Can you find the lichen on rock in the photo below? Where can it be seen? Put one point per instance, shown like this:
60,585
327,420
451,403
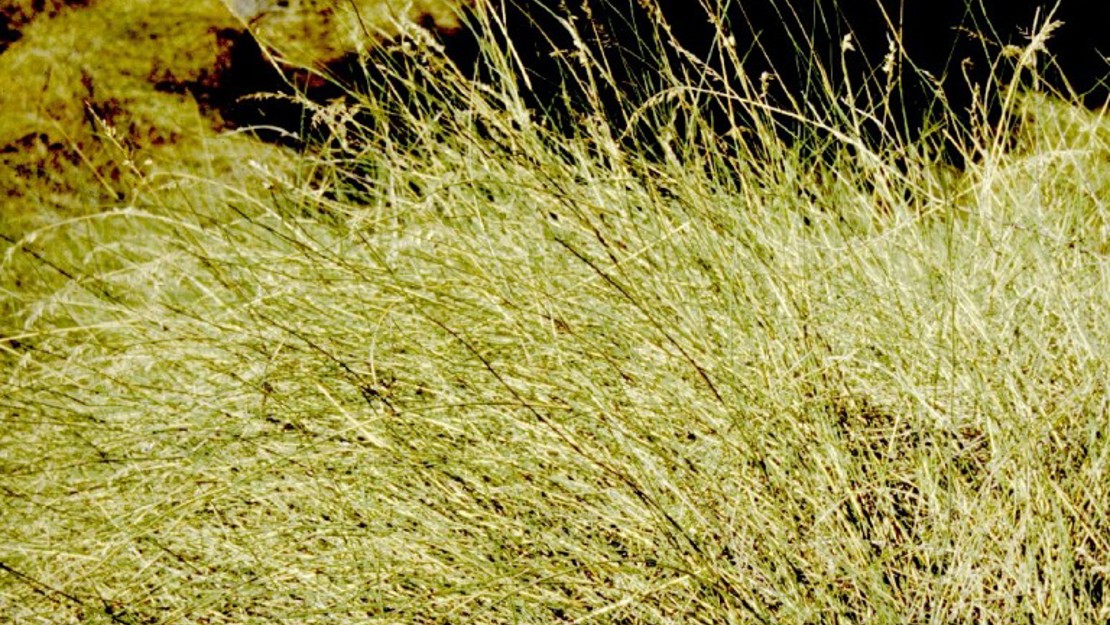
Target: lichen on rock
314,33
16,14
92,90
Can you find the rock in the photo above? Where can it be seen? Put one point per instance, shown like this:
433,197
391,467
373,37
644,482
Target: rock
317,33
97,95
93,91
16,14
298,57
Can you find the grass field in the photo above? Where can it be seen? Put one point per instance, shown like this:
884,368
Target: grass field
510,377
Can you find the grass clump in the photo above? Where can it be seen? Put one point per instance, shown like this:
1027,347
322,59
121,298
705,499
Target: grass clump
503,377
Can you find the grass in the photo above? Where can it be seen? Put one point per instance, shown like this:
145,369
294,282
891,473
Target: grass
505,377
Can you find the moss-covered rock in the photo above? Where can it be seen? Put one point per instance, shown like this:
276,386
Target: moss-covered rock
98,94
97,97
314,33
16,14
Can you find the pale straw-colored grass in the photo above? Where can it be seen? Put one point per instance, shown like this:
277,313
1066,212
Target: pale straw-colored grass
511,377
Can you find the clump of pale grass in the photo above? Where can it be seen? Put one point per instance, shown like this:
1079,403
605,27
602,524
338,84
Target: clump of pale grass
502,376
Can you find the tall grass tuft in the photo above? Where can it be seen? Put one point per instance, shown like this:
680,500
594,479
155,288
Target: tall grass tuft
501,375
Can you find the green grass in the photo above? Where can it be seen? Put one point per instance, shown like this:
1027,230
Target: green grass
504,377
